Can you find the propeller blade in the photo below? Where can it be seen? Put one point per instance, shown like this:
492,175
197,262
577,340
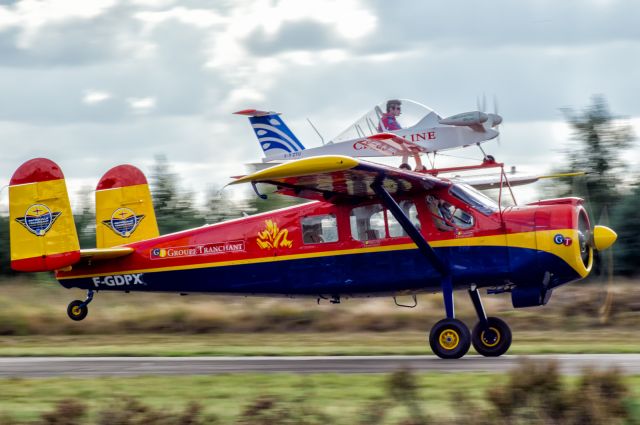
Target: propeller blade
607,272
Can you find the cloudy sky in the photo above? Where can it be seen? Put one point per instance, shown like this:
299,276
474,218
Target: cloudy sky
92,84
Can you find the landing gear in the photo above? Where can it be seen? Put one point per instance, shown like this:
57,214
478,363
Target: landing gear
78,310
493,341
491,336
450,339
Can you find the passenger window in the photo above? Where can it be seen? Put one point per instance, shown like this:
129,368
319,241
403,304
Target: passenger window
319,229
446,217
367,222
410,210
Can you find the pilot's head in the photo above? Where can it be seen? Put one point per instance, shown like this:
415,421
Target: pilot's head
393,107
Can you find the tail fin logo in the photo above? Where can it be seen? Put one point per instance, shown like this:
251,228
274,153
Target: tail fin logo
274,135
38,219
123,222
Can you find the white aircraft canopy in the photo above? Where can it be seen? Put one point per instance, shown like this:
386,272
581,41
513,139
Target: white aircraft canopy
369,124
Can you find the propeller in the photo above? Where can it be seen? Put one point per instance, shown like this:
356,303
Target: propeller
495,117
600,238
495,111
607,272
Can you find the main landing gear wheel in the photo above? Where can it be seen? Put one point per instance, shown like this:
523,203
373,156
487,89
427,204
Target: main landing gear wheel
450,339
494,341
77,310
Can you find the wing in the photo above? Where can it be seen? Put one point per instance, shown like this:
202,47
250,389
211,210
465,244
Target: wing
390,144
493,181
340,178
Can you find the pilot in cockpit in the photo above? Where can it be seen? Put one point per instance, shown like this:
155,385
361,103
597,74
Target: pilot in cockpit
388,120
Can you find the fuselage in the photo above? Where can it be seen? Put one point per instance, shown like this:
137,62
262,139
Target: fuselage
361,251
430,138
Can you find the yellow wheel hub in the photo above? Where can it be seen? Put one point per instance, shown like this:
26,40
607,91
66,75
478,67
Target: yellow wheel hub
449,339
76,310
486,343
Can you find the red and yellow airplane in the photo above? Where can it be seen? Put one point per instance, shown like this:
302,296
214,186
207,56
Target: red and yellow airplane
371,230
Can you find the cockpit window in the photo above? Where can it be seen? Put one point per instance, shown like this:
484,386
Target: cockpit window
411,113
447,217
474,198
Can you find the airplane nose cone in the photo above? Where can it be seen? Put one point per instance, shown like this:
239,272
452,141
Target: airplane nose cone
603,237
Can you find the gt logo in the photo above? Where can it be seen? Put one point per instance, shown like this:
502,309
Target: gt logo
562,240
119,280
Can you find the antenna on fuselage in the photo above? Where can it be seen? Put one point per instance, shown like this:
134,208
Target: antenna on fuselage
316,130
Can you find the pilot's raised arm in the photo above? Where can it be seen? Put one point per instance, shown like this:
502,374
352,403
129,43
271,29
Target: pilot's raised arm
388,121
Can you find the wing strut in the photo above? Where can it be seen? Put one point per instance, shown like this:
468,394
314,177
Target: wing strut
423,245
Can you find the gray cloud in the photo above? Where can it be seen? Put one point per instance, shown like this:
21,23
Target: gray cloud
535,57
300,35
492,24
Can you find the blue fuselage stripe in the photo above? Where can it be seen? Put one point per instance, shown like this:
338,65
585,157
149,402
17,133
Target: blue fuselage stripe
355,274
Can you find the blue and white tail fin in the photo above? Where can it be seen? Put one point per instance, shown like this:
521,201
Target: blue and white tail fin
274,136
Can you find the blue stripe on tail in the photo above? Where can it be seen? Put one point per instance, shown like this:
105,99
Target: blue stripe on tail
274,136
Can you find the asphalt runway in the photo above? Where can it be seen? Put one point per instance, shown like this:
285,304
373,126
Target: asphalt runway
136,366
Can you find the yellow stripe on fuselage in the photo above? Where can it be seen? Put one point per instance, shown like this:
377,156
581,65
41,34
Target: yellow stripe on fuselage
541,240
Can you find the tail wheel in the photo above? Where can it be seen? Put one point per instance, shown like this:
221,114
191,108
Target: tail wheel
450,339
77,310
493,341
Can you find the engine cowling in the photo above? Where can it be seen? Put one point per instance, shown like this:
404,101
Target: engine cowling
466,119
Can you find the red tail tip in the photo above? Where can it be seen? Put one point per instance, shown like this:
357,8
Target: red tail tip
121,176
36,170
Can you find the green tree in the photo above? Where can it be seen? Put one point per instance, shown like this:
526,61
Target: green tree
626,222
599,140
174,206
85,218
220,207
5,253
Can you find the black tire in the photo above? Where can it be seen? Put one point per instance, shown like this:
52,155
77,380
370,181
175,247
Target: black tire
493,343
450,339
77,311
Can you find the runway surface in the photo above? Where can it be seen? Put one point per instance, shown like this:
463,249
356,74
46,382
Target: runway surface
134,366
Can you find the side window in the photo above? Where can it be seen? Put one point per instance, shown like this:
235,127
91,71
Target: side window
367,222
410,210
462,219
319,229
446,217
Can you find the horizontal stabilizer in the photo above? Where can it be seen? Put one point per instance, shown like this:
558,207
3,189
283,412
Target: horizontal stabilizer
255,113
97,254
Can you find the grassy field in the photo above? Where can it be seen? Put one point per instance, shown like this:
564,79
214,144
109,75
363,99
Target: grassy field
299,344
33,321
225,396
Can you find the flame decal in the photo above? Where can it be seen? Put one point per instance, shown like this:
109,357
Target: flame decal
273,237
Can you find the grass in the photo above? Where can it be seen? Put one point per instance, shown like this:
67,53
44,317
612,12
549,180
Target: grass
344,396
33,322
297,344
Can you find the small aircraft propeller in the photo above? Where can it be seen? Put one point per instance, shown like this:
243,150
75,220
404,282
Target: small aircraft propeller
600,237
606,270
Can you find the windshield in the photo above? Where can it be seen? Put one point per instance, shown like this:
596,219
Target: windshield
373,122
474,198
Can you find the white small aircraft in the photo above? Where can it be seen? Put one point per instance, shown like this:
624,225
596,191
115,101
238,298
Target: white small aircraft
407,128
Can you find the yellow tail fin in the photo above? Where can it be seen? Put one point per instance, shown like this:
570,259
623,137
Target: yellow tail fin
42,231
124,209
